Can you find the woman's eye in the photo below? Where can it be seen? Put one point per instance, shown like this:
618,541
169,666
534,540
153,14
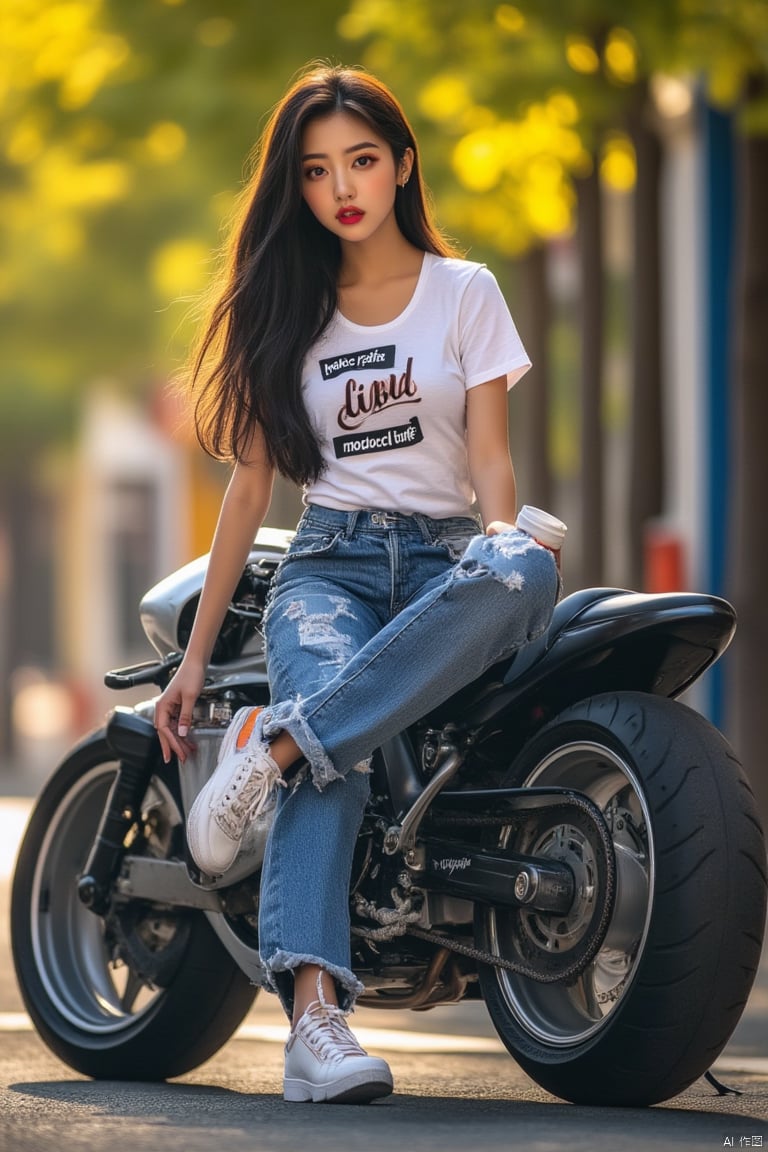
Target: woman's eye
313,173
365,161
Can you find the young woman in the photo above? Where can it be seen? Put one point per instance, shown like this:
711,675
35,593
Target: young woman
353,352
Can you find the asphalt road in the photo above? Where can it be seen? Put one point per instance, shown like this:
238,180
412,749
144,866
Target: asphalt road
456,1088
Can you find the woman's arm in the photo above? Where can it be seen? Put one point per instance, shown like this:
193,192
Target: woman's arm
490,464
243,509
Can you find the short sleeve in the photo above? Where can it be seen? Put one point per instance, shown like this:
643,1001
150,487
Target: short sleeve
489,344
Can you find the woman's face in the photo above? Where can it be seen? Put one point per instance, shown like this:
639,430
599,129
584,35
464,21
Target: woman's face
349,176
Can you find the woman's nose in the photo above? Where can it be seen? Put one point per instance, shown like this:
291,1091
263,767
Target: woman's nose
343,186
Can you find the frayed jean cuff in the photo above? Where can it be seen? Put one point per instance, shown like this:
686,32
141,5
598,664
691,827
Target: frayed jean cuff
280,967
288,717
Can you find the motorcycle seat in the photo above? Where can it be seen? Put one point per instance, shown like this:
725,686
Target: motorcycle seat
565,612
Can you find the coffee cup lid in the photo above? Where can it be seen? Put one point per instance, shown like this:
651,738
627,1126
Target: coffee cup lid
544,527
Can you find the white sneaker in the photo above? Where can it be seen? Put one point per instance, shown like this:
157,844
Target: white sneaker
241,788
325,1063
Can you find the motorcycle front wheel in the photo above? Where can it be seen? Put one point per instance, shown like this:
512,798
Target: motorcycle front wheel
147,991
658,1002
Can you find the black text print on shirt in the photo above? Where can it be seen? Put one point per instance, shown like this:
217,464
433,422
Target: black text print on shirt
382,440
365,358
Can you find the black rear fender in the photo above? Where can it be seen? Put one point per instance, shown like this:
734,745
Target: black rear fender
659,643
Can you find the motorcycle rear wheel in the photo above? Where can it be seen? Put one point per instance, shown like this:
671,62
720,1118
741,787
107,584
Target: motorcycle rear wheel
660,1000
99,1014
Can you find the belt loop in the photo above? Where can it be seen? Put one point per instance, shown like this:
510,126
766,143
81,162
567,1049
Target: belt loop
425,527
351,524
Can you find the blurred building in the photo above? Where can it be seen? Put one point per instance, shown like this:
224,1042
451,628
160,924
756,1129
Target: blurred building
136,500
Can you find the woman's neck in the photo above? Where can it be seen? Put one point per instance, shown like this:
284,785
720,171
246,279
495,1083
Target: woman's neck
383,257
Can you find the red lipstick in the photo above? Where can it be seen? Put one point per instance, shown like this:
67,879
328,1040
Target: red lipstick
350,214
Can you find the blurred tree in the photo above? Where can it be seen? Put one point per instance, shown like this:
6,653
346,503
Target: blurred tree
123,134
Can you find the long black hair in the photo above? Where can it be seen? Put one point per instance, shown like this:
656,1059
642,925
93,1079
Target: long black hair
279,288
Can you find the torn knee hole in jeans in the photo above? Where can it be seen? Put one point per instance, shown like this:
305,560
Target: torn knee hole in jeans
318,629
487,556
470,569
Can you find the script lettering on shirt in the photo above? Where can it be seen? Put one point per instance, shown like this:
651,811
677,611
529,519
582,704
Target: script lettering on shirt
363,399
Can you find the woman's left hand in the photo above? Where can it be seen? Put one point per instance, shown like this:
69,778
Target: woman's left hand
497,526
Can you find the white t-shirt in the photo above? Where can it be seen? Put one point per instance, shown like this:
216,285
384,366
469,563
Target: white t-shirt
389,400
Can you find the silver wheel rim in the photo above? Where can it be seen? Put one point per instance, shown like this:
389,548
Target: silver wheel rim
559,1015
81,980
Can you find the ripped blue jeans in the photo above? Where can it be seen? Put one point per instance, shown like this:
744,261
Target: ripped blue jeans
374,619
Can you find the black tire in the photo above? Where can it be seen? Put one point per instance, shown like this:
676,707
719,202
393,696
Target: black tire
100,1019
656,1006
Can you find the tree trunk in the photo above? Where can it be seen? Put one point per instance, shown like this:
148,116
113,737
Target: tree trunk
592,340
646,447
535,479
16,518
748,542
6,615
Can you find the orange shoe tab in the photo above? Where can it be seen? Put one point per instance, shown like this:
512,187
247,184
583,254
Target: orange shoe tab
246,730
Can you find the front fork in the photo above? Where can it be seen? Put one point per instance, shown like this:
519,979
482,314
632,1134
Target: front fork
134,741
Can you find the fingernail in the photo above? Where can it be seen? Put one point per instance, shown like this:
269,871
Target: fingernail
183,729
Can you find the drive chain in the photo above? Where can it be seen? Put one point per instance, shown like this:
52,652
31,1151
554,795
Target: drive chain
588,953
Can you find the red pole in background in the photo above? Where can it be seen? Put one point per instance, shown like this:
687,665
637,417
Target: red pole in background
664,568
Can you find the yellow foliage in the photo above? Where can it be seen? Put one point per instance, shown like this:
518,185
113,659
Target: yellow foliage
180,267
26,141
563,107
215,31
65,183
547,197
528,164
477,160
496,223
725,80
445,98
581,55
59,43
90,69
165,142
549,214
618,164
510,19
621,56
386,18
63,238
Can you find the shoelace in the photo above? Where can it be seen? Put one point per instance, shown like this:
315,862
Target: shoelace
325,1029
243,802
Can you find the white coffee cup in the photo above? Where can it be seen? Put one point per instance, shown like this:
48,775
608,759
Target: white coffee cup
544,528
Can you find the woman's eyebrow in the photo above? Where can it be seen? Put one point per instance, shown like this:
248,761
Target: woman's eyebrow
354,148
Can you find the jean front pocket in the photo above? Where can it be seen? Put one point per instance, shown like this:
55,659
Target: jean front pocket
455,543
311,541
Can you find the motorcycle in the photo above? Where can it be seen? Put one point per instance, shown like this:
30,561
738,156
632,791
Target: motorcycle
562,839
